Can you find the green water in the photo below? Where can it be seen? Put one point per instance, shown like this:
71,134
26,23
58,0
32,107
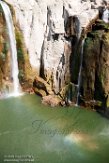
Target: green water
29,130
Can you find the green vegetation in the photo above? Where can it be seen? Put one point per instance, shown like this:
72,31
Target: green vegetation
20,55
103,25
25,72
1,10
5,48
21,75
19,39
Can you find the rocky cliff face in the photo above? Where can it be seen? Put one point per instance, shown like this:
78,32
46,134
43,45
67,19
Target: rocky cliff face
95,74
4,55
49,28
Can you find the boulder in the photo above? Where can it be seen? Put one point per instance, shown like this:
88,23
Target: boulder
51,100
41,87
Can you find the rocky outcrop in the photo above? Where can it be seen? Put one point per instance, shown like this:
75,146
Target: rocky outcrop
52,100
41,87
95,74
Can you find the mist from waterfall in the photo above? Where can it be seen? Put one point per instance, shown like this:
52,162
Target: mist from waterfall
12,42
80,72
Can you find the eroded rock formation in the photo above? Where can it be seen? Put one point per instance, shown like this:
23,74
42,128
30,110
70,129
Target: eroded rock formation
95,74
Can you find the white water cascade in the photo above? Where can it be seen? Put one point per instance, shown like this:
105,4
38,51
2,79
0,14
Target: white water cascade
12,41
80,72
105,16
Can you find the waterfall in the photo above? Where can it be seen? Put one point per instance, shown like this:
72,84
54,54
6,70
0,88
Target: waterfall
12,41
80,72
105,16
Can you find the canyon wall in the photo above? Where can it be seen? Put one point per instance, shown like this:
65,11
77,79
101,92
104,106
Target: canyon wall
49,28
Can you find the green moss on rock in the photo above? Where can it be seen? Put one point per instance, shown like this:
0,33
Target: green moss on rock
95,74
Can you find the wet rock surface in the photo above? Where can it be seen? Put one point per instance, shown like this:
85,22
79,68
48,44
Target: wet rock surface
95,76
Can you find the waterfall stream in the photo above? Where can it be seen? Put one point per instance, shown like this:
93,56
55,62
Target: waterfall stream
105,16
12,41
80,71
